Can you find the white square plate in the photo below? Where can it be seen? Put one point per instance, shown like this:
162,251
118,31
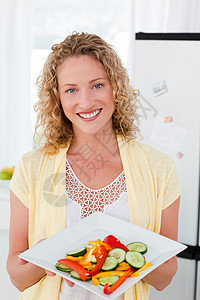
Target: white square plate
98,226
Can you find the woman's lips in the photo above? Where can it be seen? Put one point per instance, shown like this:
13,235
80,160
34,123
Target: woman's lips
89,116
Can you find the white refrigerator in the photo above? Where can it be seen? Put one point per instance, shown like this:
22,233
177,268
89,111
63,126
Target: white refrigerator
167,73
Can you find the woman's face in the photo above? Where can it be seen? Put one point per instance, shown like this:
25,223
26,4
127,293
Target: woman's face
86,94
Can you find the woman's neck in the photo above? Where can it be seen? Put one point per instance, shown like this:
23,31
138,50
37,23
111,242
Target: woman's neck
104,142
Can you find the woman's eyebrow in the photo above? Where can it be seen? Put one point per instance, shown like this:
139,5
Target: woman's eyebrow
70,84
91,81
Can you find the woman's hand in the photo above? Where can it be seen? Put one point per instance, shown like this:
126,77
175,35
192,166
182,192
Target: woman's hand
22,261
161,277
49,273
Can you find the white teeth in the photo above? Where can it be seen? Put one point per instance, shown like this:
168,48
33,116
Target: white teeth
87,116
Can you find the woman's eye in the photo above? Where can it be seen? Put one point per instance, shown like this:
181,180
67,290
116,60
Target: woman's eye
70,91
98,86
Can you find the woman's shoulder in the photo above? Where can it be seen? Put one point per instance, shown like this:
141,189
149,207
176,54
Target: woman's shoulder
34,155
141,150
39,156
155,157
152,152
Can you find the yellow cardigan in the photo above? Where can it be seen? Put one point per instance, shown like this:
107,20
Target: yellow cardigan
39,182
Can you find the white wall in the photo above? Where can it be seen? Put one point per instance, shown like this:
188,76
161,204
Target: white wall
7,290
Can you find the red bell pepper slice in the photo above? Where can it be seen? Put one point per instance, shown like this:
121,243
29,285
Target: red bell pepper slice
112,241
82,272
101,256
109,290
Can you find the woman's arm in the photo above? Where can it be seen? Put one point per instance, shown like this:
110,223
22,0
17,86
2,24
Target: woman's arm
22,274
162,276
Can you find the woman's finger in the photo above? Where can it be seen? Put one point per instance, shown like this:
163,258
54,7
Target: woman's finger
50,273
40,241
70,283
22,261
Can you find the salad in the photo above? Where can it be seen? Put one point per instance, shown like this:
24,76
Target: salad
107,263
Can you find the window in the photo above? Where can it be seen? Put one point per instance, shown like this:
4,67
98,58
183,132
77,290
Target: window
53,20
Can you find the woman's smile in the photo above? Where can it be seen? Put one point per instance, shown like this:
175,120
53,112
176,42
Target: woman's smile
89,116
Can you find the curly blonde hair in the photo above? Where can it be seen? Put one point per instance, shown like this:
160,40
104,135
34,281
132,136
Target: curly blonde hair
53,130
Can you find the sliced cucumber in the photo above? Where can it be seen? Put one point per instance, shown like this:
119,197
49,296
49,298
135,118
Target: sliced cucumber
93,261
77,252
118,253
110,280
63,267
137,246
135,259
110,264
75,275
88,246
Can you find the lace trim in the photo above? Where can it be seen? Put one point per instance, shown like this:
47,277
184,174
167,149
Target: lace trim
93,200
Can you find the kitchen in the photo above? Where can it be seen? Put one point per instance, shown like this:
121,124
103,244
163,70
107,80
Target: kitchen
145,18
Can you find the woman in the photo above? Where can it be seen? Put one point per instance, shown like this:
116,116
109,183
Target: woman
89,161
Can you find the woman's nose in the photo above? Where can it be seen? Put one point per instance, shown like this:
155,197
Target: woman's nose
86,100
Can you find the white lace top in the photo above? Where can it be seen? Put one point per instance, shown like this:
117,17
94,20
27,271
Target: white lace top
83,201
